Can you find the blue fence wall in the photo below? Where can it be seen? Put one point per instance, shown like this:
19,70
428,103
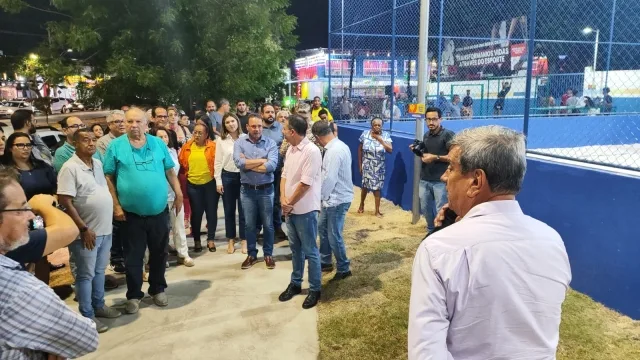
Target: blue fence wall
593,211
554,132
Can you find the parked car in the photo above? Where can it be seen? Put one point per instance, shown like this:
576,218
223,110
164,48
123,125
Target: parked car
10,107
58,105
52,138
73,105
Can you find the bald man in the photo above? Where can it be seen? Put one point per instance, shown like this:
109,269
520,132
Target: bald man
137,167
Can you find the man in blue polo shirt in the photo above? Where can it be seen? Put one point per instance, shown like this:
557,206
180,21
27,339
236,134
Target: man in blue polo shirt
137,167
256,156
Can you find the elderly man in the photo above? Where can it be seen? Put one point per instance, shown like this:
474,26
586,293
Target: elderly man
34,322
256,156
337,194
491,285
83,191
115,121
137,167
69,126
300,199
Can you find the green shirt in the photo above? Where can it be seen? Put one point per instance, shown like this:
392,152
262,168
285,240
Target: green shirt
140,177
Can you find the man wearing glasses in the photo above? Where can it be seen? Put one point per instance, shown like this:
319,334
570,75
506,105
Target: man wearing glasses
161,119
69,126
434,147
115,122
137,167
34,322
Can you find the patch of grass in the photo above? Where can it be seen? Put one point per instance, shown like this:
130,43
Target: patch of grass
366,316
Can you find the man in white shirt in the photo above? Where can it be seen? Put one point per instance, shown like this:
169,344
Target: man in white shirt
337,194
490,286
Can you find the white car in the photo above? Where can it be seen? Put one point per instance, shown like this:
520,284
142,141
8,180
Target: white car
11,106
59,105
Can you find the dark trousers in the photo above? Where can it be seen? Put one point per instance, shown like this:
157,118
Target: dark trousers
117,248
203,198
231,198
277,208
140,233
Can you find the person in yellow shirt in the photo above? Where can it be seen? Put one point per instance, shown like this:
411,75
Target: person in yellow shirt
197,158
316,108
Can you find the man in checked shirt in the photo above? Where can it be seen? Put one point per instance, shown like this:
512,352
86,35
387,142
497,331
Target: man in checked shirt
34,322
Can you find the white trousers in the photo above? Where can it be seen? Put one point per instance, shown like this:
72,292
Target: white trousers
178,233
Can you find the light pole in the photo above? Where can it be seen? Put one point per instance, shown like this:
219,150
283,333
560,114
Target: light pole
588,31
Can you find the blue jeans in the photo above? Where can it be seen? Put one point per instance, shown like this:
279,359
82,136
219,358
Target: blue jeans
302,232
231,197
90,267
433,196
258,204
277,208
330,229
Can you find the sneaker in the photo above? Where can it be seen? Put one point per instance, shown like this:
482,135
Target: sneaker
186,261
107,313
160,299
132,306
100,326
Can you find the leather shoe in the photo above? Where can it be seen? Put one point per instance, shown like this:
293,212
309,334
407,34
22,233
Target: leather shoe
341,276
326,267
271,264
249,262
311,300
110,282
292,290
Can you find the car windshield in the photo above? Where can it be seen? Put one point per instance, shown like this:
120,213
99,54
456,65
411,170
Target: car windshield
13,103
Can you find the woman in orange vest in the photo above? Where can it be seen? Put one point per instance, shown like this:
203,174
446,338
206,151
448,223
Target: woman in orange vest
196,159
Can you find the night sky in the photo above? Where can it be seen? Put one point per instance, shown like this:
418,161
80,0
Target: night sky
21,33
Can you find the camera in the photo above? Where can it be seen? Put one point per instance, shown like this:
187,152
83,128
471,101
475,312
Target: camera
417,147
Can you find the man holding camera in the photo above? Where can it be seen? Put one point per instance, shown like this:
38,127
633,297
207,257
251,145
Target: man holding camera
433,151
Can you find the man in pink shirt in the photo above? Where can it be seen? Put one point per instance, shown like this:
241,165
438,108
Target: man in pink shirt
300,188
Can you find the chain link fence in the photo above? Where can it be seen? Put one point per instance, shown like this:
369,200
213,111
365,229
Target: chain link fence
580,102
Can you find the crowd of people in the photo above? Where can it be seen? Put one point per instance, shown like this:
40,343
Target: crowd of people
117,197
124,196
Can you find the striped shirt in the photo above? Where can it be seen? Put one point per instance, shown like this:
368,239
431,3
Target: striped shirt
337,187
34,321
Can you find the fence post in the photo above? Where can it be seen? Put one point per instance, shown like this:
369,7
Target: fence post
530,47
613,19
440,47
393,64
328,69
423,78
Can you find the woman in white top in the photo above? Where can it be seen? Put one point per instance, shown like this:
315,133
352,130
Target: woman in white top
177,220
227,177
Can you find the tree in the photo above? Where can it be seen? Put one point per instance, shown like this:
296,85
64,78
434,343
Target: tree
172,50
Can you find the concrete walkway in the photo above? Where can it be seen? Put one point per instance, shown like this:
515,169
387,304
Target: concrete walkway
216,311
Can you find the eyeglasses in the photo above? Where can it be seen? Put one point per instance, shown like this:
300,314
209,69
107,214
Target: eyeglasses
431,119
23,146
77,126
162,116
26,209
143,165
117,122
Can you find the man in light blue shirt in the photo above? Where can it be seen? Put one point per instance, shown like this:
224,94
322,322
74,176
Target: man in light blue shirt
137,167
256,156
336,195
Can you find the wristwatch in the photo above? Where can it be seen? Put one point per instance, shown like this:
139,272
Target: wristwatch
84,229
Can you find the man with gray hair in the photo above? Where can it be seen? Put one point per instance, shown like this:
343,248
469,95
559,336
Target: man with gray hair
492,284
336,195
223,108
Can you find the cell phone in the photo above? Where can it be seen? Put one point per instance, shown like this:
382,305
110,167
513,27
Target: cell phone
36,223
450,217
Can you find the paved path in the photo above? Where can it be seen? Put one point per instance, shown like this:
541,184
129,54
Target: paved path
216,311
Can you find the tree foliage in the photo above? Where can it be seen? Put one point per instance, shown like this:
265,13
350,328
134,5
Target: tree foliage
170,50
